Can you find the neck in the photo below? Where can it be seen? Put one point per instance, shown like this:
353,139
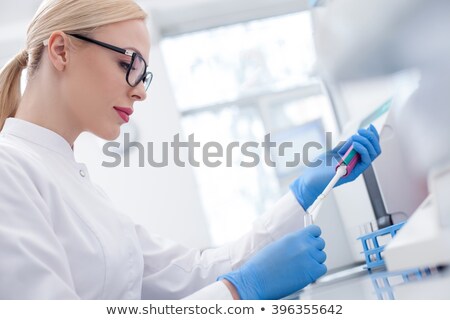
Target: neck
45,108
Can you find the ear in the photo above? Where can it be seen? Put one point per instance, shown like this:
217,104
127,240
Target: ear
58,50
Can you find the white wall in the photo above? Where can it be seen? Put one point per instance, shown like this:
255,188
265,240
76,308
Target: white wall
363,96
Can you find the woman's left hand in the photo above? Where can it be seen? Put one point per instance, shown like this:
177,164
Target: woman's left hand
314,180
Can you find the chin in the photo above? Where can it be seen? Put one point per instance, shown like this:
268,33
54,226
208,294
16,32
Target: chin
109,135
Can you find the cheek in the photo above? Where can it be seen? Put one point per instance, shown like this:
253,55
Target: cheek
100,71
95,86
100,83
85,80
110,80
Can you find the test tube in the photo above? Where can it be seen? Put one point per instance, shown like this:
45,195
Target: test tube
308,219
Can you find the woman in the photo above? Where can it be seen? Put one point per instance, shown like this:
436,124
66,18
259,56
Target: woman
60,237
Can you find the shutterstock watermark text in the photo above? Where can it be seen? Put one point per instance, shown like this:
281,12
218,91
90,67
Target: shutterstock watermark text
215,154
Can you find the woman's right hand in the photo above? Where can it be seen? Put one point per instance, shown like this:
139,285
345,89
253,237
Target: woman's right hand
282,267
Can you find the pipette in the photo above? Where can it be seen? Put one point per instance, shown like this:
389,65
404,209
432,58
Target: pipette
343,169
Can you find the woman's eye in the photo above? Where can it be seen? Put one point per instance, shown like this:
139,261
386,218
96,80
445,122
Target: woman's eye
124,65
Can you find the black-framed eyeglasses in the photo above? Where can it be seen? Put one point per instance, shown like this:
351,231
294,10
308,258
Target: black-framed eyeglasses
137,70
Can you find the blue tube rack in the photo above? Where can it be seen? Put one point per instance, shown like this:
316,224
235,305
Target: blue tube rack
373,255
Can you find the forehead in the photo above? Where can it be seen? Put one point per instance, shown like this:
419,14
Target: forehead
130,34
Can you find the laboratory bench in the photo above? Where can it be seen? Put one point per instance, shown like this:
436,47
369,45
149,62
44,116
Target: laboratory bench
359,283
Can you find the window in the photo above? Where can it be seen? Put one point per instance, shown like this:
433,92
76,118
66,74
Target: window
238,83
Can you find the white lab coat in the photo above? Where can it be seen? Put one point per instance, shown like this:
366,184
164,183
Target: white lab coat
60,237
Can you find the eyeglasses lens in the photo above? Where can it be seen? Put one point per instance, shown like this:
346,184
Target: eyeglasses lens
138,72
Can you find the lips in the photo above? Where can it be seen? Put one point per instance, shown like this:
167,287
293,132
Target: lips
124,113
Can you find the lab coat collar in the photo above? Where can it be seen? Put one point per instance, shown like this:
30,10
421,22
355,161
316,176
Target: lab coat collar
38,135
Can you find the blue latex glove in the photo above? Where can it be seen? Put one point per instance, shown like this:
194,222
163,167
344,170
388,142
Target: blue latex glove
282,267
313,181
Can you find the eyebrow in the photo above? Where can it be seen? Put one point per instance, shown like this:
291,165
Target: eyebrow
137,51
134,49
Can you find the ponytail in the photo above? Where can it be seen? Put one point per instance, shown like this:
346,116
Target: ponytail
10,86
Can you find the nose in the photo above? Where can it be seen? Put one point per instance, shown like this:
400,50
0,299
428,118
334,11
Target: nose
138,92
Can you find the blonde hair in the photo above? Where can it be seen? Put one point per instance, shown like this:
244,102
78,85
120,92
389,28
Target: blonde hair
72,16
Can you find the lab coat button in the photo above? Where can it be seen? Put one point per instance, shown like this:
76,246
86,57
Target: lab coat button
82,173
